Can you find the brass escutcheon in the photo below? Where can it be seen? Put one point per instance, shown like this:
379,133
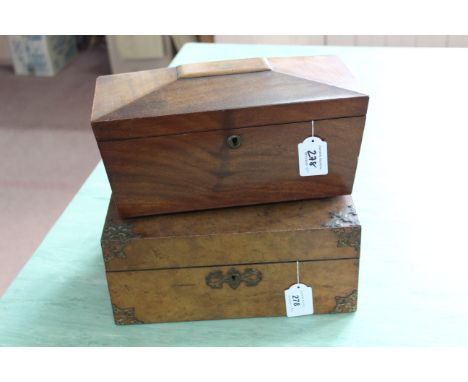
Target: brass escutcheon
233,277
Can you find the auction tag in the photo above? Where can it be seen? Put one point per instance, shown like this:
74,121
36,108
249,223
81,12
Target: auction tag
299,301
313,158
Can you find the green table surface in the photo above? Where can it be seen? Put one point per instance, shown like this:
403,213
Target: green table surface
409,194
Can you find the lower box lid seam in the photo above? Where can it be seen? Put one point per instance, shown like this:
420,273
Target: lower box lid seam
230,265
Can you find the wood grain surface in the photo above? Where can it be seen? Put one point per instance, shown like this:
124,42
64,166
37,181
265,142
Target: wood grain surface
304,230
183,294
156,102
162,134
199,171
158,268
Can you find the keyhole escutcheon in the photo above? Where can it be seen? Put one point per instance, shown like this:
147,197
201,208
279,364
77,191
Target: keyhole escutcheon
234,141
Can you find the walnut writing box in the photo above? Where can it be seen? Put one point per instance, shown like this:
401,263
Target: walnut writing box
233,262
221,134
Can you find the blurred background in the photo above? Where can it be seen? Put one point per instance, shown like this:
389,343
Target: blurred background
46,93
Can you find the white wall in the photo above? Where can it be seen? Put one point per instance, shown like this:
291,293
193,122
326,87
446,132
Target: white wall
419,41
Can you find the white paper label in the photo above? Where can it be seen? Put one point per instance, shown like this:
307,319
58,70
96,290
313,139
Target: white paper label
313,158
299,301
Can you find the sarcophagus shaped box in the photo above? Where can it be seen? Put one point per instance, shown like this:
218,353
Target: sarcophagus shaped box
212,135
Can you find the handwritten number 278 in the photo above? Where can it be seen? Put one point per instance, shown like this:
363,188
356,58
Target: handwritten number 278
295,300
312,158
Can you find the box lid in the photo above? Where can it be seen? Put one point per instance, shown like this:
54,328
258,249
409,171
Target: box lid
224,95
324,229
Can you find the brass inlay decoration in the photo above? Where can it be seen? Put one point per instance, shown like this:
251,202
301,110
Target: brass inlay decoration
345,225
116,236
346,304
343,218
349,237
125,316
233,277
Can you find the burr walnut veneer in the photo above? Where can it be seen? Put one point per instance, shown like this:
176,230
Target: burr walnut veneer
221,134
233,262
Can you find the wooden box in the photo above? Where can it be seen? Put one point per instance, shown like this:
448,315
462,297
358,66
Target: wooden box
223,134
231,263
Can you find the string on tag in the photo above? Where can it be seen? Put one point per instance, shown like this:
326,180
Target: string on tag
313,128
297,272
298,298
